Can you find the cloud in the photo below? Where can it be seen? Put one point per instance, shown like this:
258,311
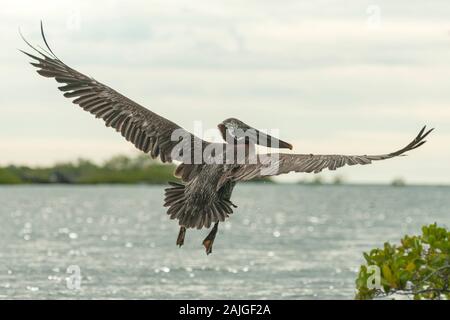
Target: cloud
317,71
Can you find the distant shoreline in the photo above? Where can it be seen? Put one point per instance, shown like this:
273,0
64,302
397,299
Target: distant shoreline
140,170
119,169
257,182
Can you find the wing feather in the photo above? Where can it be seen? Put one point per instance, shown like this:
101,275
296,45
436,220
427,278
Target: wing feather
148,131
276,164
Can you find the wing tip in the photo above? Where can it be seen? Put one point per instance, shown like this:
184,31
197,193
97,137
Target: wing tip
49,52
45,41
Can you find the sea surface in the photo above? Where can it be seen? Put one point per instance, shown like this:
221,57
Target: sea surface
283,242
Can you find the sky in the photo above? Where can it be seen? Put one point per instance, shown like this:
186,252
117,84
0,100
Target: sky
350,77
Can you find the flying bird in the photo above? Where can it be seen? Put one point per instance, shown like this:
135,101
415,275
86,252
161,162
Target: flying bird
202,198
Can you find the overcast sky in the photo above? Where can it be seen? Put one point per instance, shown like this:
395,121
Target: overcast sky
357,77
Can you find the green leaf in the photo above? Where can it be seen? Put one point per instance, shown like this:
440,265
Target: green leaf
418,263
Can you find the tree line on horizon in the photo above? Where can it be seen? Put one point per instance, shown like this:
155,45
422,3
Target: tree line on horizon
119,169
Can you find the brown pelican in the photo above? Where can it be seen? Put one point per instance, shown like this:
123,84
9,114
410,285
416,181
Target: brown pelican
202,198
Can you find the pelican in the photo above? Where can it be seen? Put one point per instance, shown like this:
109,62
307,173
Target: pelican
202,197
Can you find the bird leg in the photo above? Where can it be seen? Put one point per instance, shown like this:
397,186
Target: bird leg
180,238
209,240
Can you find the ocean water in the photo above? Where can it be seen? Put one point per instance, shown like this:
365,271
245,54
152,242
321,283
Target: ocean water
283,242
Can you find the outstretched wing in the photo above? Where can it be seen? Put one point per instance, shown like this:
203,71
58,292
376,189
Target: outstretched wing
148,131
275,164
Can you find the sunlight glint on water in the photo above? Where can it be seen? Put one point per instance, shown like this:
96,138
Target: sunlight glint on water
284,241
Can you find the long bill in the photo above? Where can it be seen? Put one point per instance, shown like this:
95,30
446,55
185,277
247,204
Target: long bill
266,140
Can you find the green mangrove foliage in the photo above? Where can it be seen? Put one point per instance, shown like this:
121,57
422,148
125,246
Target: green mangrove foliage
419,267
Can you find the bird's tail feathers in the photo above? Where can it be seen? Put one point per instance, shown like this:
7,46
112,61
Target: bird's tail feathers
191,216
